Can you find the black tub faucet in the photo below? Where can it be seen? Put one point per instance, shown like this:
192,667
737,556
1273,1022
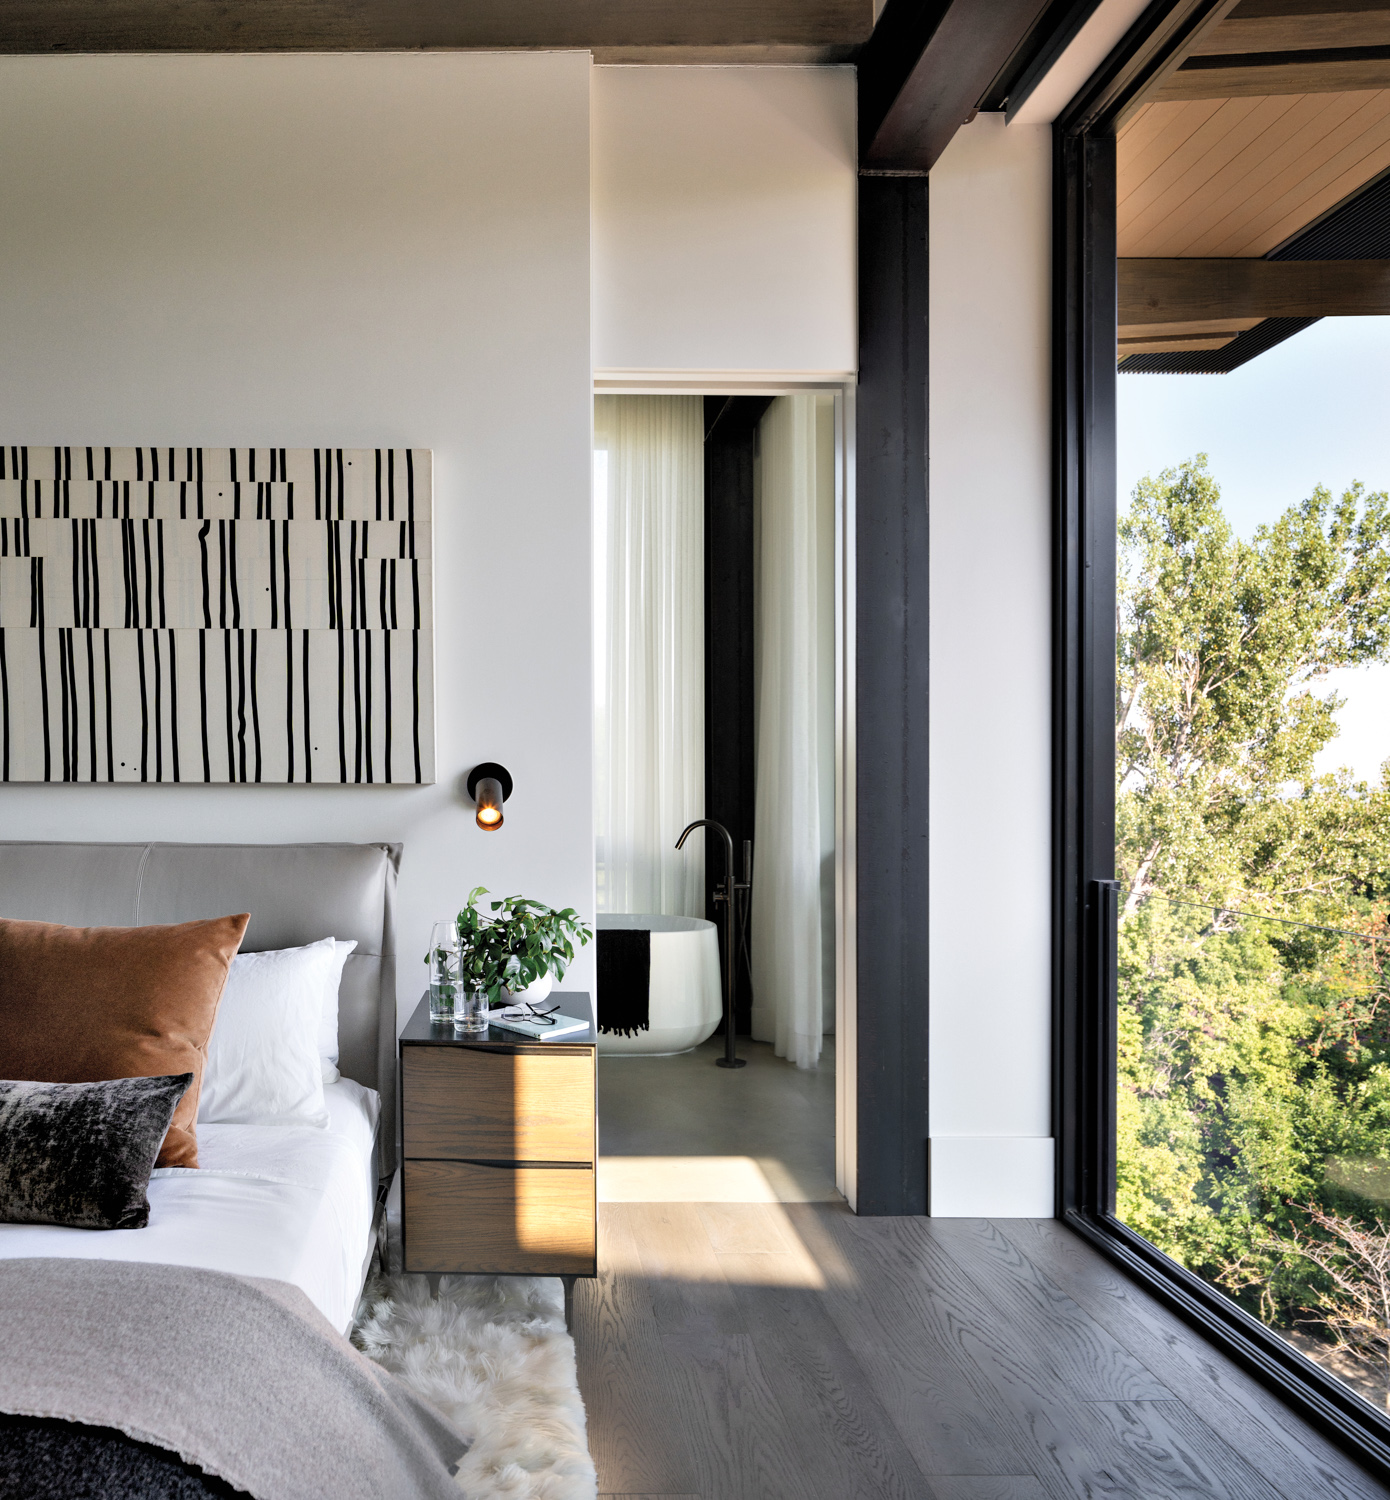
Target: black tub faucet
727,891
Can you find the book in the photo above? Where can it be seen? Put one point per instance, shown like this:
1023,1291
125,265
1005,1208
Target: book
559,1024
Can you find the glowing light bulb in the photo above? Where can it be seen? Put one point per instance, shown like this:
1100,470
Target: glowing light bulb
489,799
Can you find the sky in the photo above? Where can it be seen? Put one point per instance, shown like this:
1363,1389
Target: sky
1314,409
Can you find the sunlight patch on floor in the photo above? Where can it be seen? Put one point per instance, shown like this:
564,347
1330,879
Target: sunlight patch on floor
708,1179
735,1244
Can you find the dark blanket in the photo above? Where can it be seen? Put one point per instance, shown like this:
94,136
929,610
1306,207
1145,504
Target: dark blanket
624,980
240,1379
42,1458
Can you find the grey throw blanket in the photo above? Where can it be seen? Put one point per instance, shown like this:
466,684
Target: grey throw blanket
244,1378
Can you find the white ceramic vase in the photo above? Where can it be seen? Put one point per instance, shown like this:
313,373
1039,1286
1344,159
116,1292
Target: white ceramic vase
535,991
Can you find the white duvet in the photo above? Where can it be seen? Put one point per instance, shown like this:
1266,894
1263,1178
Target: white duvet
289,1202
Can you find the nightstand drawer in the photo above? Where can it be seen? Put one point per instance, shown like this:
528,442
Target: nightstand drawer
537,1221
461,1102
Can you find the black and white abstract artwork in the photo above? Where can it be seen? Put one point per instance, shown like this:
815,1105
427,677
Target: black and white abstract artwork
216,615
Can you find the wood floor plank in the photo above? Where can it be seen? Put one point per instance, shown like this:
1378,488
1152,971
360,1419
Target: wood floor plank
767,1230
1074,1447
986,1487
1155,1449
901,1327
744,1228
1158,1446
637,1444
745,1451
684,1282
810,1226
1296,1458
844,1437
1087,1360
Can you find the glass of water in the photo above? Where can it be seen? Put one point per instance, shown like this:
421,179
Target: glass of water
470,1011
444,970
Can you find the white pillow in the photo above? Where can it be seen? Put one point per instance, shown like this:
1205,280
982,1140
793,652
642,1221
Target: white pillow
264,1065
328,1021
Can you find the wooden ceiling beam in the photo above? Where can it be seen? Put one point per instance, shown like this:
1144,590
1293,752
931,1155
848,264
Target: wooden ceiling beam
1180,291
1329,74
1303,9
1174,343
1201,328
1264,48
1197,18
1237,33
635,30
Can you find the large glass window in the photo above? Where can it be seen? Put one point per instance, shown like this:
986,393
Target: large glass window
1253,836
1254,1118
1223,700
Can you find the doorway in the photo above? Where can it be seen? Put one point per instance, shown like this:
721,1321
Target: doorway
718,699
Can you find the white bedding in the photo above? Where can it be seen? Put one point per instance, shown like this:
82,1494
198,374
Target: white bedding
289,1202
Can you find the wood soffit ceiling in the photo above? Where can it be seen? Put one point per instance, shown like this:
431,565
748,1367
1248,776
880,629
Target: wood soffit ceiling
1240,176
1278,112
644,31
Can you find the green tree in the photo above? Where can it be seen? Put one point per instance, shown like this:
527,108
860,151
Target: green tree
1254,1054
1222,643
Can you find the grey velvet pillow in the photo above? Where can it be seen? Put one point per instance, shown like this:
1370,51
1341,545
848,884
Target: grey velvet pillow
81,1154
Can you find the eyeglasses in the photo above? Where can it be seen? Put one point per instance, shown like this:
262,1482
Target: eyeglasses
540,1016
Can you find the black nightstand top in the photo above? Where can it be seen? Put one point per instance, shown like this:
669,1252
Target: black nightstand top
497,1038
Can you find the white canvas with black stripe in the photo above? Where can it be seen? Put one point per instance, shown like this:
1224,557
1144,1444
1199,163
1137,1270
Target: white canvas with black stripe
216,615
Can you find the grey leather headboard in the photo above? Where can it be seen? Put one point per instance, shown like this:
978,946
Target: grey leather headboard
296,894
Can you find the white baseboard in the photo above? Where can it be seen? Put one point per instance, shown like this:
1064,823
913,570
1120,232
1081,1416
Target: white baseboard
992,1177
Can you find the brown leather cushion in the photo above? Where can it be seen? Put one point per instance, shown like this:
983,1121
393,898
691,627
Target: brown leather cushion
85,1004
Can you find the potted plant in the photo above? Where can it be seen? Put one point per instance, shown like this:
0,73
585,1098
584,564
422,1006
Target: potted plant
517,945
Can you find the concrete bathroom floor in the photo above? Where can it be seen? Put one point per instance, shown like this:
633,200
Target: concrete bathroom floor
681,1130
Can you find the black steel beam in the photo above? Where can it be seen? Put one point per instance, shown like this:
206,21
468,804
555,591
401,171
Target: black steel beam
966,48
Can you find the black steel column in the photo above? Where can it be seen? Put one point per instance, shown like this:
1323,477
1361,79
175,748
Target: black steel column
731,437
891,622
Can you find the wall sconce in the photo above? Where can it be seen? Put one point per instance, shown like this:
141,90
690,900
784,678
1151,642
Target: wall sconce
489,785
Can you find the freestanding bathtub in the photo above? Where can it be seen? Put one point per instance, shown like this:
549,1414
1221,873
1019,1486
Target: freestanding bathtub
684,1002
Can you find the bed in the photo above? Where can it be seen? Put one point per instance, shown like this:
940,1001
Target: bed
267,1205
285,1203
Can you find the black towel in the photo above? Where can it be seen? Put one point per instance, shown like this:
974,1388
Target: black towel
624,980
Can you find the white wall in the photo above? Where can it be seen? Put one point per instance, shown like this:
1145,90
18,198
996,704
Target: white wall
337,250
990,217
724,220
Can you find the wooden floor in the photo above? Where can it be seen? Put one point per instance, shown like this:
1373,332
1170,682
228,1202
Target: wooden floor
748,1351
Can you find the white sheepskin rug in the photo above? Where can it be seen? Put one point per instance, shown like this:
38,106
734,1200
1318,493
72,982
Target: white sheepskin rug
493,1354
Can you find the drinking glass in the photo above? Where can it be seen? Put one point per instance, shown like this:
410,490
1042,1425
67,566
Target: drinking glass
444,970
470,1011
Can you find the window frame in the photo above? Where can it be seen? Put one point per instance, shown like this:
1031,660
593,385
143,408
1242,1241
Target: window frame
1085,893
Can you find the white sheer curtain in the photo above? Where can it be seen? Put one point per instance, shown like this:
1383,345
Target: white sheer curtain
793,884
649,653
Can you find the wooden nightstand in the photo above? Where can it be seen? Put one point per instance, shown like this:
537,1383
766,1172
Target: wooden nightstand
498,1147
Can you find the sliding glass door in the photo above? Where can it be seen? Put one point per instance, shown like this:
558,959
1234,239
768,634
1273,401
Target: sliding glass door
1222,698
